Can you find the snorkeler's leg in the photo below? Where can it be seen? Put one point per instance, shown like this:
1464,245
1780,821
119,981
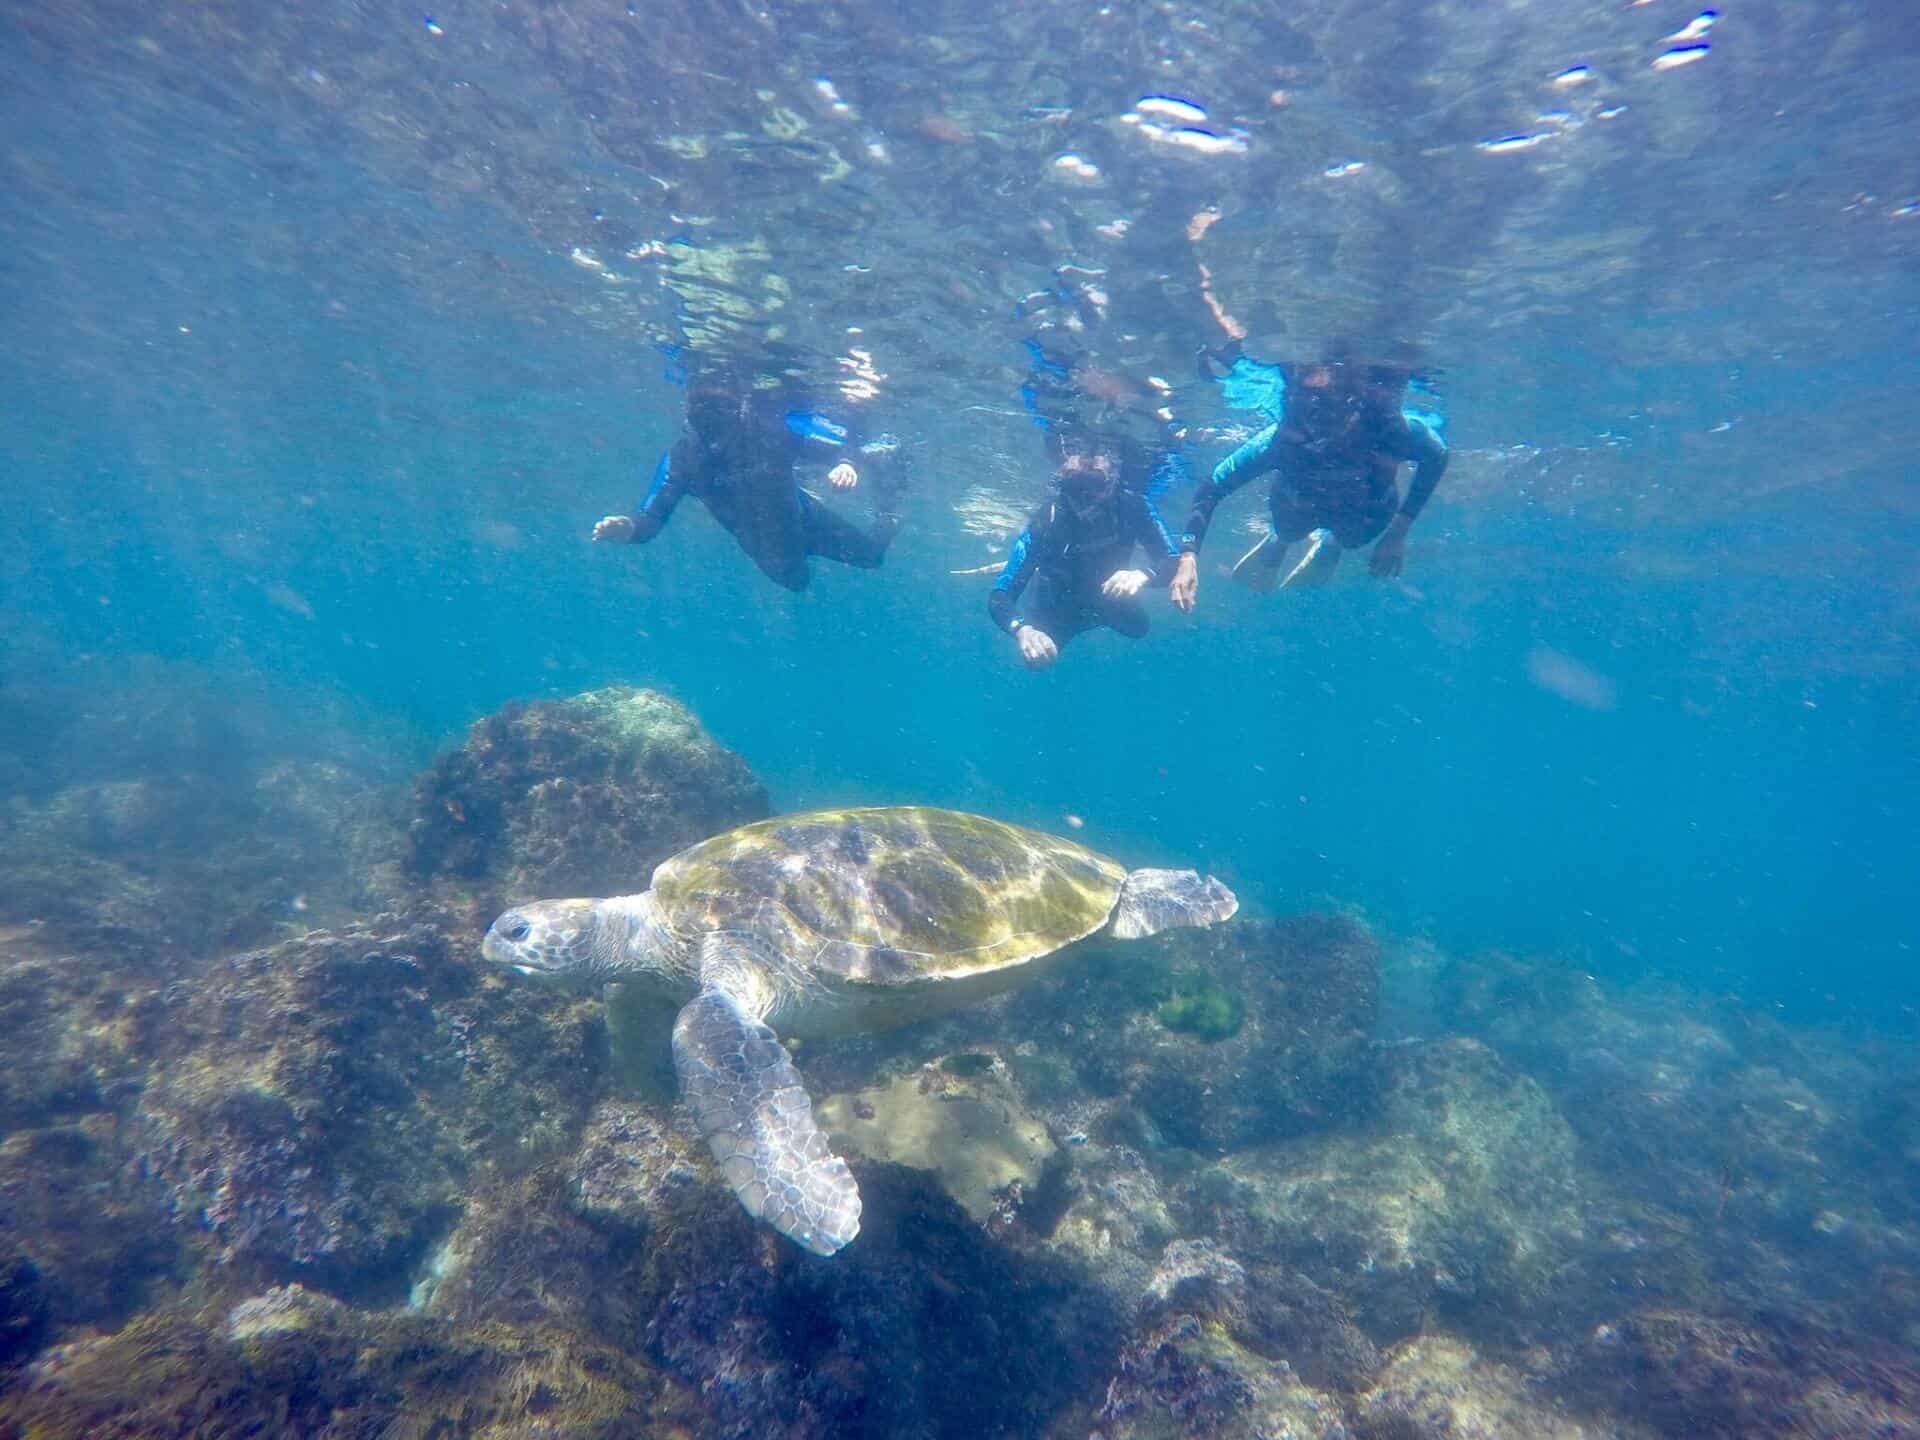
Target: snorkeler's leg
1316,566
1359,525
832,536
1054,609
1262,568
773,534
1127,616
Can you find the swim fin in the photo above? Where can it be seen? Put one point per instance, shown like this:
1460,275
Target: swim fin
1259,568
1317,565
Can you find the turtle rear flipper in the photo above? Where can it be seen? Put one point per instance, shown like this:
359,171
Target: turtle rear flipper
1156,900
753,1110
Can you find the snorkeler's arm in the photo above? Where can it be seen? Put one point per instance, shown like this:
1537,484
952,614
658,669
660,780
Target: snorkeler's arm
1228,476
669,484
1021,561
1428,452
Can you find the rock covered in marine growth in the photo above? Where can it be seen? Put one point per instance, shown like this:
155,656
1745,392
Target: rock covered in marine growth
317,1111
1739,1156
289,1361
1461,1203
1708,1377
582,796
1250,1033
175,865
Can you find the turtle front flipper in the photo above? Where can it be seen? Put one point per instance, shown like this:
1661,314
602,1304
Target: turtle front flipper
750,1105
1156,900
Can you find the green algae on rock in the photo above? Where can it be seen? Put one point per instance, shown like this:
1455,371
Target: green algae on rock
1199,1007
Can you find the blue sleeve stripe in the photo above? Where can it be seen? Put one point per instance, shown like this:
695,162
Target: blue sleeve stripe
661,471
811,425
1016,561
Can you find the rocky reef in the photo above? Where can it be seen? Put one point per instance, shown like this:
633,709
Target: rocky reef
582,796
1274,1179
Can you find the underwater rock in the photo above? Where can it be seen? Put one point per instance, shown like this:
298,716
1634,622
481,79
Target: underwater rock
166,866
1462,1201
634,1171
290,1362
1435,1387
924,1327
1741,1157
967,1125
23,1306
1715,1378
318,1110
95,1232
582,796
1187,1379
1238,1035
1273,1312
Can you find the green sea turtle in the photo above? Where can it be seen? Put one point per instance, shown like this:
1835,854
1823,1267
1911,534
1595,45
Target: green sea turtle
832,923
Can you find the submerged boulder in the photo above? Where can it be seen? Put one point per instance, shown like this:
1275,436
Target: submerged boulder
1710,1377
1435,1387
1462,1202
582,796
317,1109
291,1362
1218,1039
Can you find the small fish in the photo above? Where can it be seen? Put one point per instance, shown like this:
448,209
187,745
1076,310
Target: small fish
1685,55
292,601
1575,75
1506,144
1171,107
1074,822
1694,28
456,810
433,25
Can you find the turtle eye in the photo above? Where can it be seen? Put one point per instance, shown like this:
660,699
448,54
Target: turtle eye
518,931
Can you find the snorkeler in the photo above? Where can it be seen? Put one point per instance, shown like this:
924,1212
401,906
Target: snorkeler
738,454
1075,551
1335,454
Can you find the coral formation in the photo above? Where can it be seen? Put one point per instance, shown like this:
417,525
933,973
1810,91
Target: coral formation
970,1129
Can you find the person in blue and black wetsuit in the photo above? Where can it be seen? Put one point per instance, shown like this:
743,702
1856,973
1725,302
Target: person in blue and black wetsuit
738,454
1072,565
1335,455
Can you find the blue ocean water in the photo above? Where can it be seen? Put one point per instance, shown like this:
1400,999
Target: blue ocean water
331,332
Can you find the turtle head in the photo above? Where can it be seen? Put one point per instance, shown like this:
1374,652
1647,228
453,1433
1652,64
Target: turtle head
551,939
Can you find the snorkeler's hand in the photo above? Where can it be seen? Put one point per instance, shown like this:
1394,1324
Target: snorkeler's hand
843,476
615,530
1185,588
1036,647
1390,551
1122,583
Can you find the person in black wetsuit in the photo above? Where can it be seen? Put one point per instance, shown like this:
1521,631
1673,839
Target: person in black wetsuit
1335,455
737,455
1072,562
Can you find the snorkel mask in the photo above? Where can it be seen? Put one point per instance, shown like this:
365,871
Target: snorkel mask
1087,481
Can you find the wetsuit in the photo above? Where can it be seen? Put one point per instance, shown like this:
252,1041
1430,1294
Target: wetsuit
745,478
1346,485
1066,557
